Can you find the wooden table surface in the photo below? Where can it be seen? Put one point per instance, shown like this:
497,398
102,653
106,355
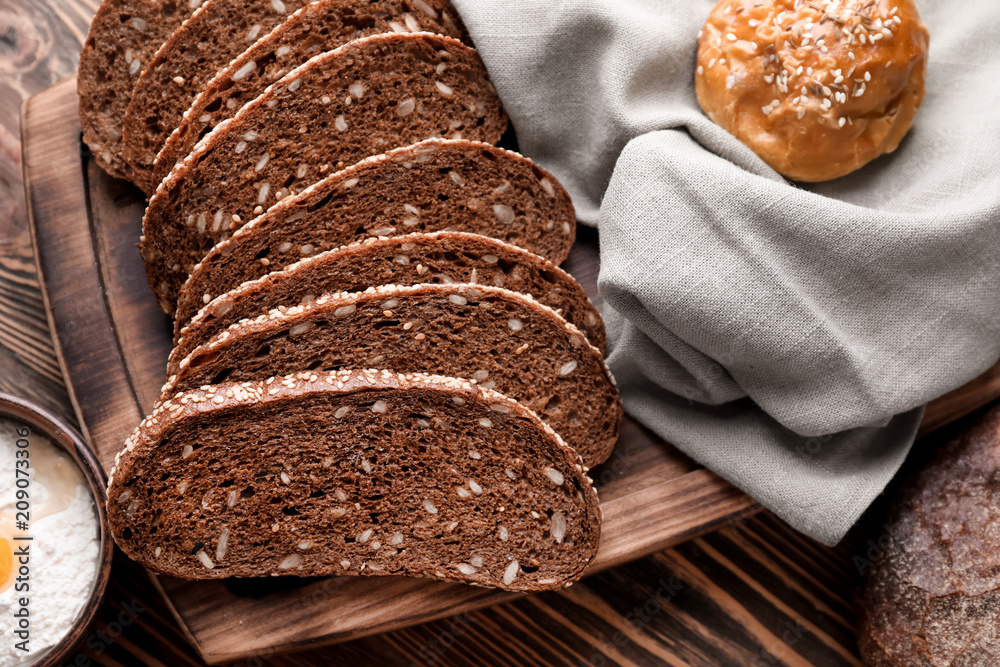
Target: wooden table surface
752,593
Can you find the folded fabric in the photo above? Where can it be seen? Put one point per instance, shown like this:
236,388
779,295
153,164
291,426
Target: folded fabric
785,336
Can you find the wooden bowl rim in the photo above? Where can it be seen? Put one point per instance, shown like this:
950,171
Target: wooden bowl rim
65,436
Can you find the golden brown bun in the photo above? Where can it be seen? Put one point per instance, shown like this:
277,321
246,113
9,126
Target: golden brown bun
816,89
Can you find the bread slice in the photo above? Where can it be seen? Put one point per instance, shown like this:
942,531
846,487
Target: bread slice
363,98
304,35
501,339
440,257
434,185
123,36
354,472
208,40
219,32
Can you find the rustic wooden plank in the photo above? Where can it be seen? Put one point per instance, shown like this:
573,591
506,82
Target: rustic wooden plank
715,601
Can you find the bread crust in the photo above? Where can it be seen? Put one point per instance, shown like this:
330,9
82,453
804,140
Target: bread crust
816,90
490,334
280,51
309,124
149,525
411,259
327,215
217,34
932,577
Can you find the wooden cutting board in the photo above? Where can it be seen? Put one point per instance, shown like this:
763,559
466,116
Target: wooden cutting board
113,343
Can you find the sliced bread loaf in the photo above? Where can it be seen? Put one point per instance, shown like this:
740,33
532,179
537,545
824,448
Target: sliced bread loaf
211,37
219,32
434,185
501,339
354,472
368,96
312,30
440,257
123,36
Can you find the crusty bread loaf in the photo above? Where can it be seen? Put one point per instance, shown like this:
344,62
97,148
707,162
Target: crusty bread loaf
368,96
932,576
440,257
223,29
434,185
355,472
123,36
304,35
501,339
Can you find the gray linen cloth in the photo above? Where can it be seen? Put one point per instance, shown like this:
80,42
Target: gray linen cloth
784,336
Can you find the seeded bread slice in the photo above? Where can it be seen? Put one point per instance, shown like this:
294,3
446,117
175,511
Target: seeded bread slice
304,35
441,257
123,36
219,32
355,472
501,339
363,98
434,185
212,36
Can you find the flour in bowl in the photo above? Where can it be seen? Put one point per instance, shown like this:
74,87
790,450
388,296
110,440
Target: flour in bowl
64,550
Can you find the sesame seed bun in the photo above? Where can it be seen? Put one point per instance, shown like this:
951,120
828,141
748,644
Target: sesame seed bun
816,89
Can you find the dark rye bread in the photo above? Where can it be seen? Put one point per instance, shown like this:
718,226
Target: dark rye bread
368,96
355,472
434,185
440,257
219,32
123,36
207,41
501,339
932,576
304,35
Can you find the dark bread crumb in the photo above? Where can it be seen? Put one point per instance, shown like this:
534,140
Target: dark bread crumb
434,185
368,96
501,339
208,40
933,597
357,472
439,257
218,33
304,35
123,36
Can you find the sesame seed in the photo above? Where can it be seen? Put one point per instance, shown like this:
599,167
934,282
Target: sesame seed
510,573
244,70
290,562
406,107
555,476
